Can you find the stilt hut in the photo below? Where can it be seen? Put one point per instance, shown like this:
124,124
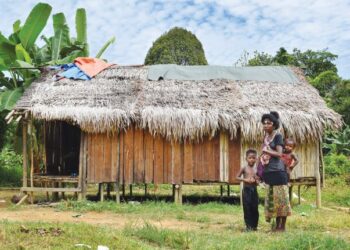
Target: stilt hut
165,124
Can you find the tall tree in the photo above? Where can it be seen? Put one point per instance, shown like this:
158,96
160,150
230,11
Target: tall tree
177,46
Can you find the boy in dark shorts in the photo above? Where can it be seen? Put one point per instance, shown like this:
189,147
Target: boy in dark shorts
250,193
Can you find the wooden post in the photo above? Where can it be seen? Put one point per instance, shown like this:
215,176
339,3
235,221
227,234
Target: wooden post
146,190
84,167
25,156
130,189
123,190
173,191
221,190
299,187
117,193
318,187
101,187
178,194
322,164
228,190
80,179
108,189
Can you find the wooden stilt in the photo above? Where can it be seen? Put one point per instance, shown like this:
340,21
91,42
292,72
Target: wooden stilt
318,188
117,193
80,179
173,191
84,167
123,190
108,189
299,187
25,155
178,194
221,190
130,189
228,190
101,191
146,190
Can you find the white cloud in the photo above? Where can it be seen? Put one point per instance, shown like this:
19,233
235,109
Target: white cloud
226,28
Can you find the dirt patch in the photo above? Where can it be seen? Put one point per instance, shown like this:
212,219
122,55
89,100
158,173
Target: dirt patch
38,214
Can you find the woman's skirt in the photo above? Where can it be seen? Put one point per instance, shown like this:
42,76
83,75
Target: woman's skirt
277,202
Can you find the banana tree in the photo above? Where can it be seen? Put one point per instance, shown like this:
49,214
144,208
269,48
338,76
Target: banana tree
21,58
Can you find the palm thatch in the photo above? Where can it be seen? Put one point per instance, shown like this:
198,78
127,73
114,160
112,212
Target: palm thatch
177,109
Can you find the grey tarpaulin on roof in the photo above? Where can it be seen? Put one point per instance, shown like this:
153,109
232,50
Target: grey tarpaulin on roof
260,73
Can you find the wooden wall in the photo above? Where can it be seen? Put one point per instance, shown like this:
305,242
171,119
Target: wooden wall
308,154
135,156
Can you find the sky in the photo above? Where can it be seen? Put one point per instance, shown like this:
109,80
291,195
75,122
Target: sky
226,28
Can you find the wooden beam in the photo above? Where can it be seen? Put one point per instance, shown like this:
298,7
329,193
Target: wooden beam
178,194
81,152
45,189
25,156
117,193
318,188
22,200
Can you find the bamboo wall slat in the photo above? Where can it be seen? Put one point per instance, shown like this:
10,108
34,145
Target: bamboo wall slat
135,156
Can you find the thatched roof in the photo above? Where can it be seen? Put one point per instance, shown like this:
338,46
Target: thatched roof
178,109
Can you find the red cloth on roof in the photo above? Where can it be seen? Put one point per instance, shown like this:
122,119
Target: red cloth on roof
91,66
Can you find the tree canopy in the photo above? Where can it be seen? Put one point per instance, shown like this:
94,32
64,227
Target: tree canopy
177,46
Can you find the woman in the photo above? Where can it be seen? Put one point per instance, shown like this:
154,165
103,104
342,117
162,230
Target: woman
274,173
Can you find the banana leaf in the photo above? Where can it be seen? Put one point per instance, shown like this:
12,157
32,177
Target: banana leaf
61,38
22,54
9,98
34,24
104,47
7,51
80,25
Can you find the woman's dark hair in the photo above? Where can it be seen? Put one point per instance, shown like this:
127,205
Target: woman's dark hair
274,117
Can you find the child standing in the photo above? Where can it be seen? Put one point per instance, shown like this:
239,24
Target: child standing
288,157
250,194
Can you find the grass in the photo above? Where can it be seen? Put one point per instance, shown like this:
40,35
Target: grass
161,224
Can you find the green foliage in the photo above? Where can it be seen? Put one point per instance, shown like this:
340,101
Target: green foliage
261,59
10,168
326,82
313,62
339,99
177,46
337,164
34,24
338,142
21,57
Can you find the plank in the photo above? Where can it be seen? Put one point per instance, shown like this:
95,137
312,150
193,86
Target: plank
167,162
139,164
148,147
234,158
45,189
121,157
107,166
176,157
216,157
129,156
115,157
158,159
188,162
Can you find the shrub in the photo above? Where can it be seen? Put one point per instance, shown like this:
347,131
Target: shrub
10,168
336,164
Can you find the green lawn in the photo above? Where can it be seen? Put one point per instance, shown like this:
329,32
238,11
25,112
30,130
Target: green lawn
198,224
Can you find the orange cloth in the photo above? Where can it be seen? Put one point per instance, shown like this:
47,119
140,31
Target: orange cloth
91,66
